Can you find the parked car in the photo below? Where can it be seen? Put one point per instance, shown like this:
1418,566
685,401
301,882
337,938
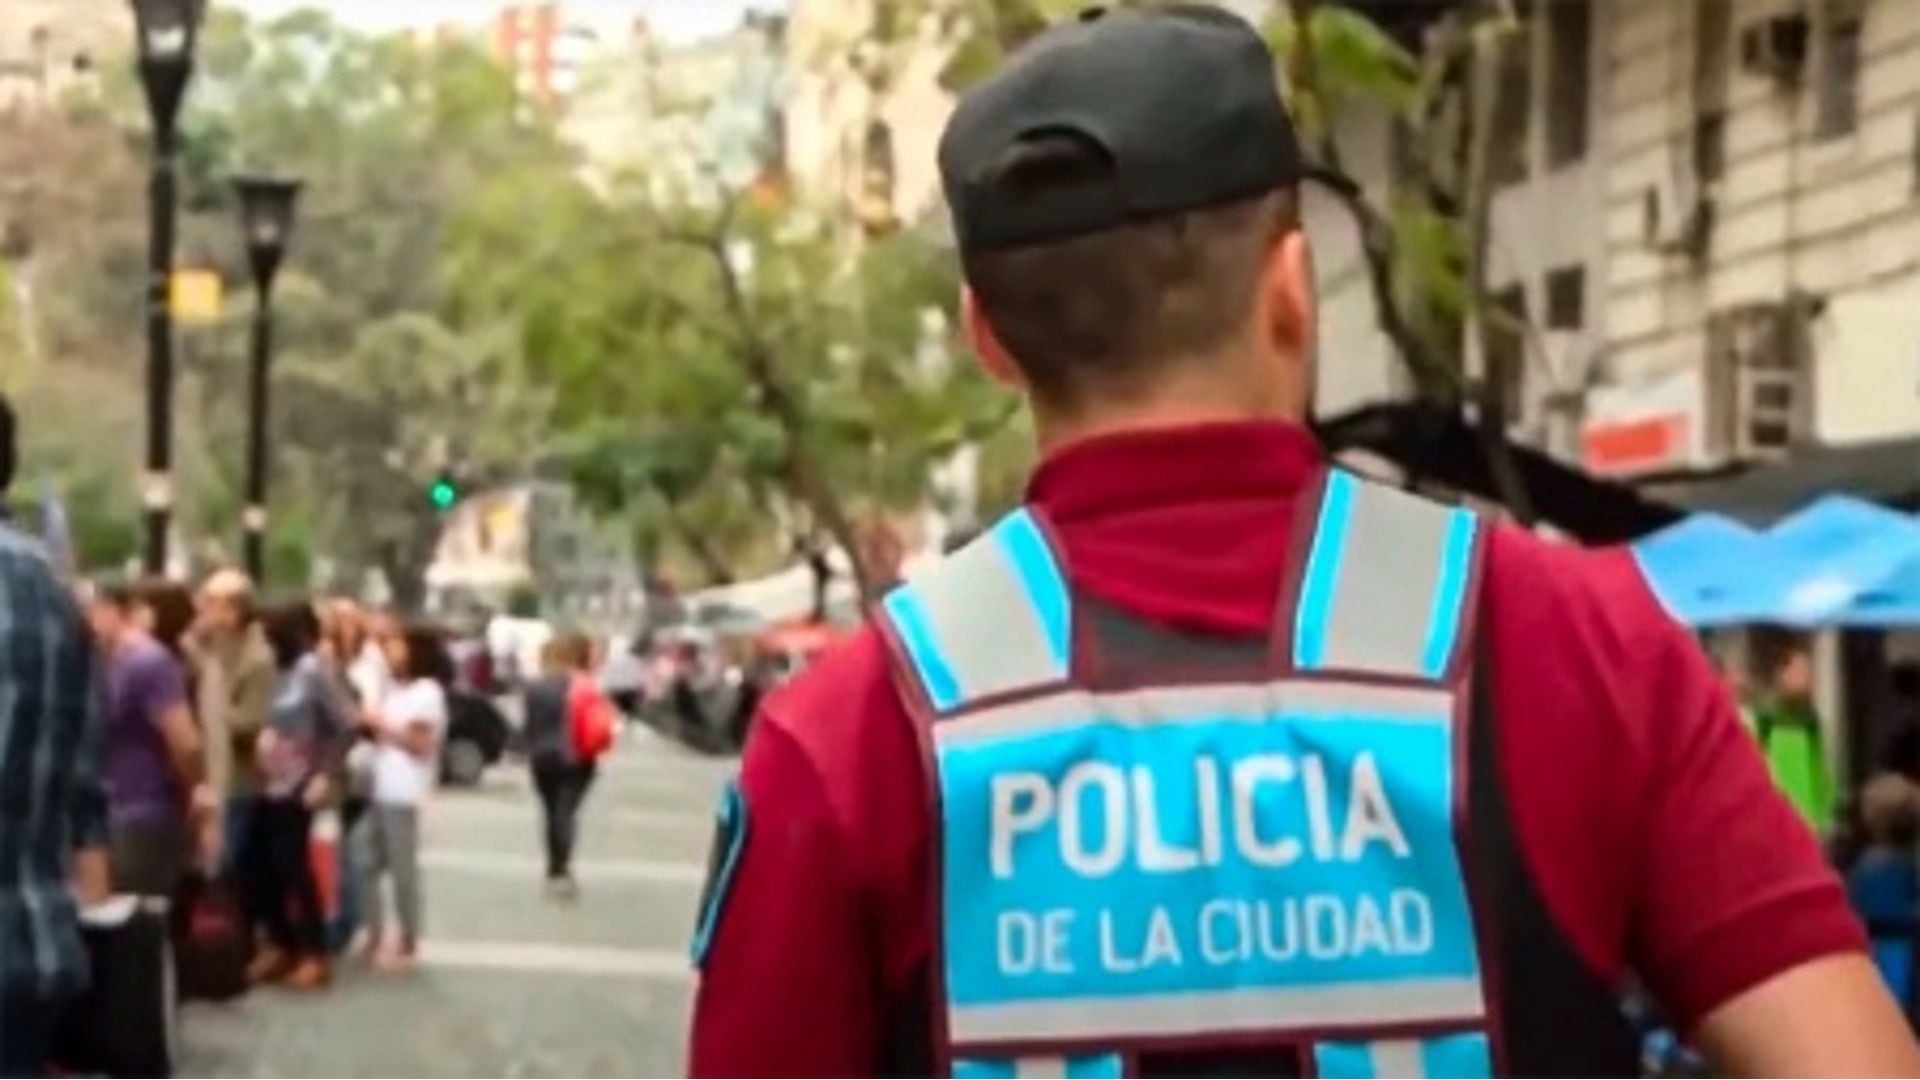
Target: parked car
477,735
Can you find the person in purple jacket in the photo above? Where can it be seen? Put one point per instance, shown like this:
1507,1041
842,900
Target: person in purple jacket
153,760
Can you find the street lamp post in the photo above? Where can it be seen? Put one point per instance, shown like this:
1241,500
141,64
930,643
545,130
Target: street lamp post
266,216
166,29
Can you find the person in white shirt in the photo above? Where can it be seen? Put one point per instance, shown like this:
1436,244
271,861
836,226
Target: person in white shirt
408,727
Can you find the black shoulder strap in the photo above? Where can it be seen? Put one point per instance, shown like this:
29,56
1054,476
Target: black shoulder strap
1556,1016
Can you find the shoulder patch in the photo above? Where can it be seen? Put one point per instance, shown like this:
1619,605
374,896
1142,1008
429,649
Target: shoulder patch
729,838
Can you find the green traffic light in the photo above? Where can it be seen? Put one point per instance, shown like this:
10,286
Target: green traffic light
443,495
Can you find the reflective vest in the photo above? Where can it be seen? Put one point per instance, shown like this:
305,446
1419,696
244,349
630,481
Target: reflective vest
1293,853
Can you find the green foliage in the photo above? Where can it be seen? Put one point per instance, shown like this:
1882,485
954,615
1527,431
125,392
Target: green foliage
704,361
1356,62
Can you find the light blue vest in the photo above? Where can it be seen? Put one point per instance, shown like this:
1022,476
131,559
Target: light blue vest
1205,864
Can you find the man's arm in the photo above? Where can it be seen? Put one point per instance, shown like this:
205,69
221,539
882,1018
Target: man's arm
1826,1017
1739,925
182,737
788,976
251,698
87,803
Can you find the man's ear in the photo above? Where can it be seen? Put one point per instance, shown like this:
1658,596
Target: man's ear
986,344
1291,300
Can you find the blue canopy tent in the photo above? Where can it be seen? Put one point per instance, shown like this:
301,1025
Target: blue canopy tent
1838,561
1702,568
1841,551
1894,602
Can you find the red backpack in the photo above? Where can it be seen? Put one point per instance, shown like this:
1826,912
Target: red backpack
590,718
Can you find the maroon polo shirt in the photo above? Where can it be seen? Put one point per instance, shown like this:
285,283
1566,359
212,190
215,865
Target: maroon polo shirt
1641,806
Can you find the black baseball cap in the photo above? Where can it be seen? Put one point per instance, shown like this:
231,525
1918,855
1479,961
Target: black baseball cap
1182,100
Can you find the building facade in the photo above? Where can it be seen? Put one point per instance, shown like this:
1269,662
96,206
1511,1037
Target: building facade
1762,231
688,115
49,48
863,120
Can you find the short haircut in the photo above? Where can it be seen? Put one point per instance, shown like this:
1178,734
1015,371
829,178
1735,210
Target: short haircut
292,630
172,607
1774,648
1887,809
1106,314
427,655
233,587
569,651
115,592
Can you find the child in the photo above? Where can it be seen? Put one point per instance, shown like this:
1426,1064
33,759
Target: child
1884,882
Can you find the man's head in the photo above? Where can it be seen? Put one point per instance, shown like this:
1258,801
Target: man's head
1787,660
226,602
113,614
1125,195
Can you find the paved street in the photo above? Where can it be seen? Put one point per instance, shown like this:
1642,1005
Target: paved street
512,984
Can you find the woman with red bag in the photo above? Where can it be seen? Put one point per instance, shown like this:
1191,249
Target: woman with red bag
569,725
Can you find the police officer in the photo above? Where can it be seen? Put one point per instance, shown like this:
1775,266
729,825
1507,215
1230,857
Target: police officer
1214,759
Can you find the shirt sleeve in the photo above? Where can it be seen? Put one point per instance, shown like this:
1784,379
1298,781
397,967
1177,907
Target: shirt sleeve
1732,888
786,984
163,686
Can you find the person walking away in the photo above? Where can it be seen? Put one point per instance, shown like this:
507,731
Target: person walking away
153,759
54,834
1884,882
408,727
561,706
1215,758
1789,732
235,692
298,754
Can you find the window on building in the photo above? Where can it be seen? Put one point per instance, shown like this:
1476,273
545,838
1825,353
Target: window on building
1757,381
1567,298
1838,102
1506,349
1710,146
1569,78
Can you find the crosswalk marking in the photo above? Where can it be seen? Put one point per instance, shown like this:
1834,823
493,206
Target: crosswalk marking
672,818
533,956
529,867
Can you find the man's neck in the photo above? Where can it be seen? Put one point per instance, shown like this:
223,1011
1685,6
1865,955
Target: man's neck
1191,394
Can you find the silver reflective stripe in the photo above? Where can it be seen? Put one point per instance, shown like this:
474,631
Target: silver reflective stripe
984,621
1398,1057
1220,1012
1296,699
1392,590
1041,1066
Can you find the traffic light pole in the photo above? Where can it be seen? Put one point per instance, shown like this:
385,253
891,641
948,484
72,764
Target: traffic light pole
255,515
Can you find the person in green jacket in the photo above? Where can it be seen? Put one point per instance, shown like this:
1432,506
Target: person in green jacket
1788,728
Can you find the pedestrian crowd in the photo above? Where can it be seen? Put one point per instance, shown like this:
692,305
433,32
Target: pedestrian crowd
229,727
163,743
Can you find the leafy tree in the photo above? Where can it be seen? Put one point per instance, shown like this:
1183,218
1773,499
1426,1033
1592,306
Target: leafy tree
1423,237
728,355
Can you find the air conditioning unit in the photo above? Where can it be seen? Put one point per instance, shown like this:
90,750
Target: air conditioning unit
1756,381
1678,214
1776,47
